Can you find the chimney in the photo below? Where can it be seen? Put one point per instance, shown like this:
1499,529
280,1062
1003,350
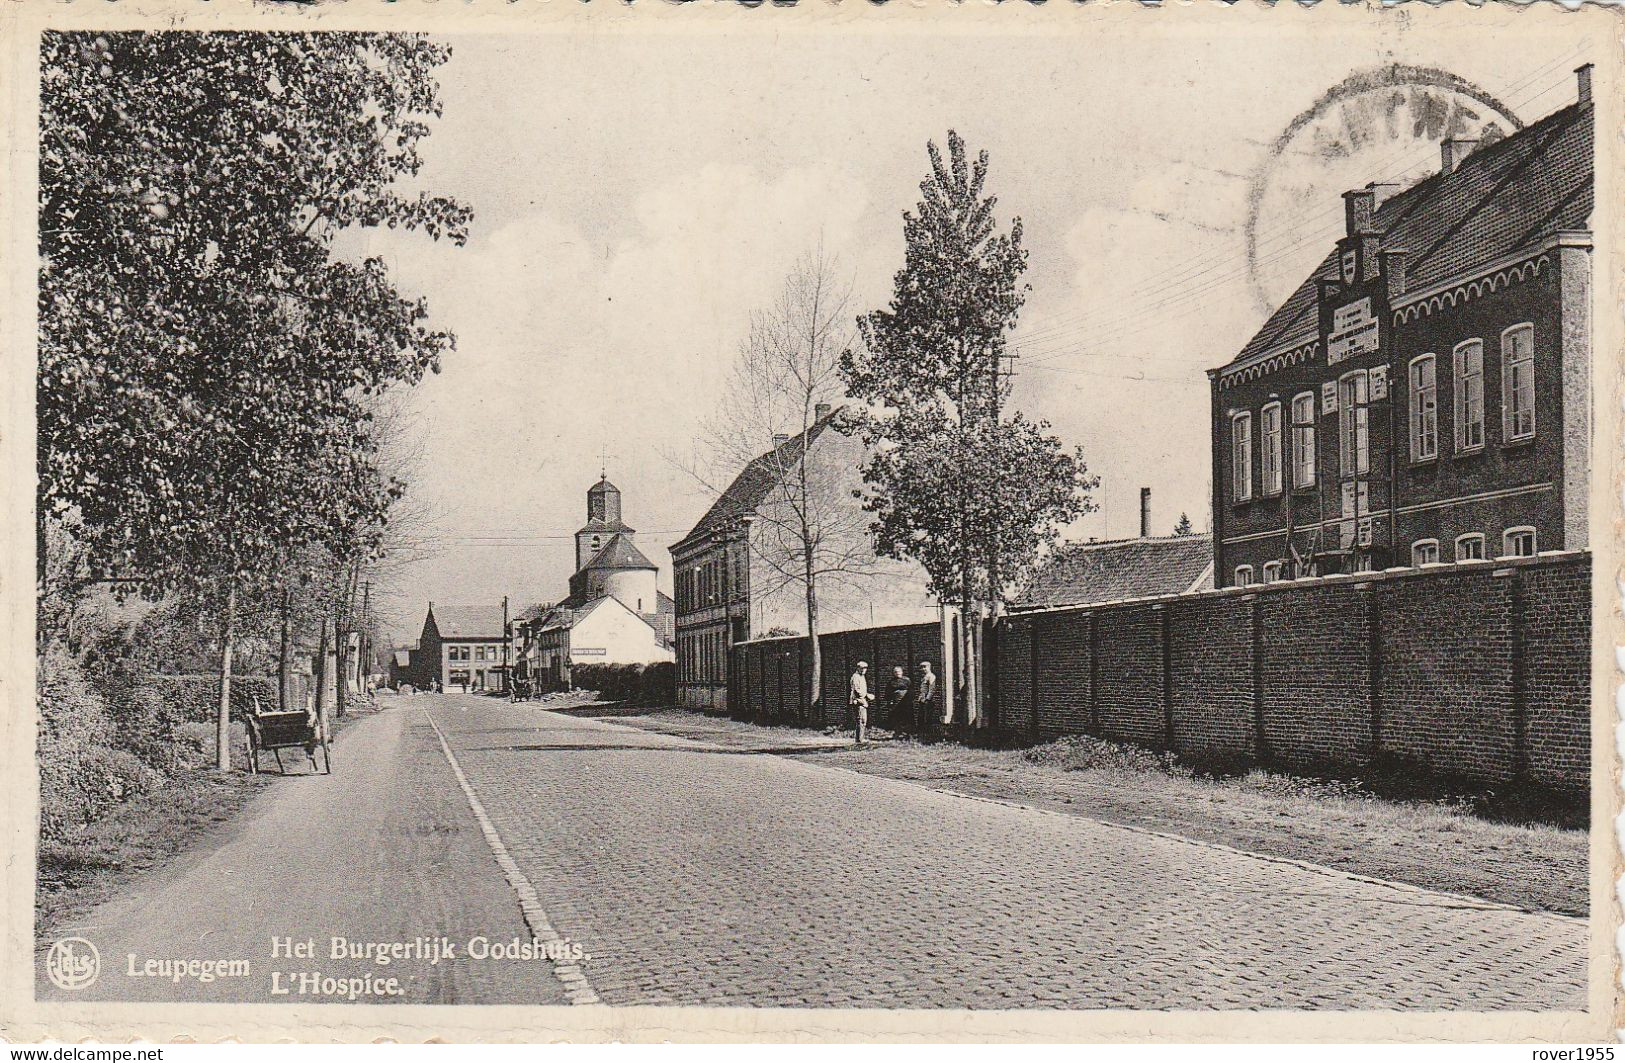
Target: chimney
1393,271
780,439
1452,150
1358,209
821,411
1382,192
1145,512
1582,75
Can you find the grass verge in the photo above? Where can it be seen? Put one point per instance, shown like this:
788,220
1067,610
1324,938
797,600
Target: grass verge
76,873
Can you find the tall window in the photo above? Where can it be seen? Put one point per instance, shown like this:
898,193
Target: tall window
1354,424
1518,542
1470,395
1270,458
1518,382
1425,552
1470,547
1244,575
1241,460
1303,440
1424,408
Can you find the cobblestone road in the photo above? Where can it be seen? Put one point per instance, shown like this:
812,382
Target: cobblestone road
694,874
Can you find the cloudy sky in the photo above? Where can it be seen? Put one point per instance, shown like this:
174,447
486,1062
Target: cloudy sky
638,197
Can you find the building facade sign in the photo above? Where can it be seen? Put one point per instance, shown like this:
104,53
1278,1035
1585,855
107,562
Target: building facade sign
1354,331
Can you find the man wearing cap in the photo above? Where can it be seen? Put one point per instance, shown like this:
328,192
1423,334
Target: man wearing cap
858,697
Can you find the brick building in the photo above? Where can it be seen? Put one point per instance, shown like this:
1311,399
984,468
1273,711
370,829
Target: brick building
727,593
1423,397
462,648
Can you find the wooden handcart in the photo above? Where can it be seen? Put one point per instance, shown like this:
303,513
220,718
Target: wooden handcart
302,729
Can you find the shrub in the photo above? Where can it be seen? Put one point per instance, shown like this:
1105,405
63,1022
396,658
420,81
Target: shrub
1087,753
148,724
196,698
635,684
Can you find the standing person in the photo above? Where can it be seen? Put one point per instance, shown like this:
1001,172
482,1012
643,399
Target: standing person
925,690
858,697
898,688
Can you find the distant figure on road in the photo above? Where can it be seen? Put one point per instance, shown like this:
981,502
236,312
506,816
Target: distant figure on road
858,697
898,688
925,689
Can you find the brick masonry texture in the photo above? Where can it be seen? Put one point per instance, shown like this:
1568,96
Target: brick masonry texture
1477,671
1129,674
1210,662
1556,628
1446,696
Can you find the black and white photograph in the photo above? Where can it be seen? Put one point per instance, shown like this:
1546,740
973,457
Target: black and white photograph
1028,522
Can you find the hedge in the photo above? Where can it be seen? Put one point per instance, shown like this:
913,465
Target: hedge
636,684
196,698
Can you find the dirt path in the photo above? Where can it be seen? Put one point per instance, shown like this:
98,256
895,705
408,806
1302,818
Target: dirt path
383,850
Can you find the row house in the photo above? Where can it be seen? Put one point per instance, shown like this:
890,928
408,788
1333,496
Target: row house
1423,397
726,581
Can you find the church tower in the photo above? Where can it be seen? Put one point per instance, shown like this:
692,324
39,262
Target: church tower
603,521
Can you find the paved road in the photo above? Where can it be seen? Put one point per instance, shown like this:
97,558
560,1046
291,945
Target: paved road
695,874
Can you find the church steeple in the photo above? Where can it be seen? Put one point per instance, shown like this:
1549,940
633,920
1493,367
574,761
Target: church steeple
603,521
604,502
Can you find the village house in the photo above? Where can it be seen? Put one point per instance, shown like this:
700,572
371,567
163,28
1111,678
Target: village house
461,648
1114,570
1422,398
726,584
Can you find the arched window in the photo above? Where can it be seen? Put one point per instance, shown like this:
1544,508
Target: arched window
1424,393
1518,383
1470,547
1354,424
1469,370
1270,453
1303,440
1244,575
1241,459
1518,542
1272,571
1425,552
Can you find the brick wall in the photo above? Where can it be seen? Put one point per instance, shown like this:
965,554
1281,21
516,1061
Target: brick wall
785,699
1210,673
1479,671
1556,631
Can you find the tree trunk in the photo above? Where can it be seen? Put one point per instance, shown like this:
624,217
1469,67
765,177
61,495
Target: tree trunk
321,668
282,658
222,729
815,695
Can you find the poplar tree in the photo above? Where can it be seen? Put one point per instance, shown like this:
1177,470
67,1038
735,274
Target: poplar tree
971,494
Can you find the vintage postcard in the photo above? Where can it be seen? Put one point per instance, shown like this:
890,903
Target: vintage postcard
835,522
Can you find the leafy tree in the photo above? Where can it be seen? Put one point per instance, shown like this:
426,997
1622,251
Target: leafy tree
205,356
953,484
1184,525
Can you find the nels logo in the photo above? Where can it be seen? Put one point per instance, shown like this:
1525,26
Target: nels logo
72,963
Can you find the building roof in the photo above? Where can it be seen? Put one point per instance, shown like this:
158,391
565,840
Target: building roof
753,483
618,553
1505,198
610,526
468,621
603,487
1087,573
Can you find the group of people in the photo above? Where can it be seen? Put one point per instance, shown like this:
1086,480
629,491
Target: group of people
909,702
